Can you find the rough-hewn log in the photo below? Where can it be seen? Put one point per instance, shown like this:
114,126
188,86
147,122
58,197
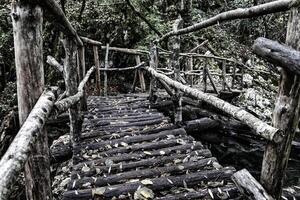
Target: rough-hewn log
240,13
27,23
81,70
285,117
105,73
24,143
261,128
123,69
91,42
188,69
201,124
158,184
64,104
60,18
153,64
278,54
128,51
70,76
250,187
53,62
175,47
212,81
97,65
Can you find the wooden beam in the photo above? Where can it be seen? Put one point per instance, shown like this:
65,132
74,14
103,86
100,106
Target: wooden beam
250,187
123,69
13,161
140,73
97,65
261,128
64,104
240,13
27,23
91,41
153,64
278,54
106,68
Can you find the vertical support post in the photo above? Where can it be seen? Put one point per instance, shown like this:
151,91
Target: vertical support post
105,72
97,65
242,77
154,65
140,73
81,73
28,42
212,81
205,76
70,77
223,75
285,118
189,69
175,46
233,76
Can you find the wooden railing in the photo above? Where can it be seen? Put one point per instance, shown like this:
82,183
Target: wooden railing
31,131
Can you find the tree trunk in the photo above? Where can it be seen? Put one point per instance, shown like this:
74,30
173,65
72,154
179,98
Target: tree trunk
70,77
28,42
285,117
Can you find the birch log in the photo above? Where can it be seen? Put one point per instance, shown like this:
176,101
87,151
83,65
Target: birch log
27,23
240,13
64,104
23,145
285,117
250,187
261,128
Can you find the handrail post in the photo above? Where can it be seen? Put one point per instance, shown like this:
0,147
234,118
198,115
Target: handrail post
105,72
97,65
154,65
70,77
175,46
81,73
27,23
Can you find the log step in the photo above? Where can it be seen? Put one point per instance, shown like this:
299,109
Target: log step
128,149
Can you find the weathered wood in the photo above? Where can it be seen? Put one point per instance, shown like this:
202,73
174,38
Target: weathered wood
205,77
53,62
27,23
124,68
81,70
158,184
127,51
97,65
70,76
212,81
223,75
23,146
261,128
198,46
250,187
285,118
145,173
278,54
175,46
91,42
240,13
106,67
141,74
201,124
153,64
64,104
189,68
233,76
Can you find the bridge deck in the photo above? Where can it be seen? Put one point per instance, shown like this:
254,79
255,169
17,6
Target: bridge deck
131,151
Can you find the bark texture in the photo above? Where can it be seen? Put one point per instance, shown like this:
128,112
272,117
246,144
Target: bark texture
23,147
240,13
250,187
261,128
278,54
285,118
27,28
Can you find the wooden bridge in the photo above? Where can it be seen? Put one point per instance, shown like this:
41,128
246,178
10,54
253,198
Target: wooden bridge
125,149
128,149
